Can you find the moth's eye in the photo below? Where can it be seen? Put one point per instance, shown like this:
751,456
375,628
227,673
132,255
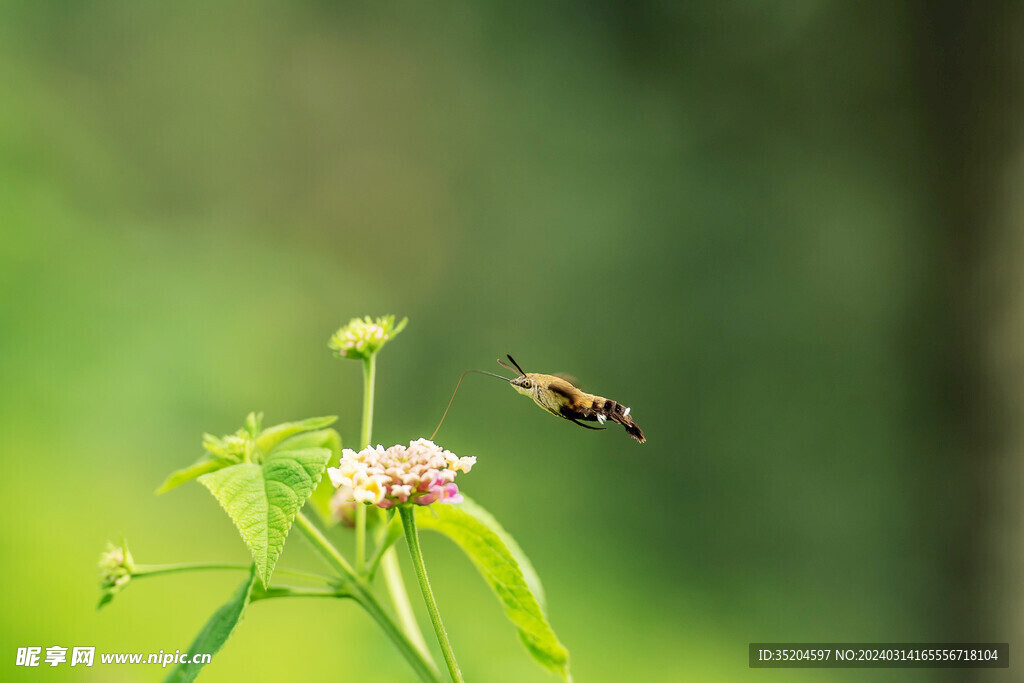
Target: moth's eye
526,384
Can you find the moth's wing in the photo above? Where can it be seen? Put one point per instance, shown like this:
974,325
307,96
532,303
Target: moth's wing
568,378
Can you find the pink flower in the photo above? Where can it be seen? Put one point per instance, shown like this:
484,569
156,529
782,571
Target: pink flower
420,473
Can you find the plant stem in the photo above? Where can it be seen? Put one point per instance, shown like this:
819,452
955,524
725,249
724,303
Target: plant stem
299,592
369,380
366,433
360,536
413,540
325,548
384,542
400,599
361,593
145,570
424,668
389,560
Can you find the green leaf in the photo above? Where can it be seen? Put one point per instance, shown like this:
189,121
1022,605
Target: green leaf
471,507
216,631
488,545
262,499
272,436
189,473
323,438
267,441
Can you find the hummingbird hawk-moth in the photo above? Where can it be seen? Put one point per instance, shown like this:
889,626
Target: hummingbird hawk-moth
560,397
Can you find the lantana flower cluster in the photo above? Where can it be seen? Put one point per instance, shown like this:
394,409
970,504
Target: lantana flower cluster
420,473
361,338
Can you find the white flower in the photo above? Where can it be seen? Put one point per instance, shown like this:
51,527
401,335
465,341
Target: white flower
421,473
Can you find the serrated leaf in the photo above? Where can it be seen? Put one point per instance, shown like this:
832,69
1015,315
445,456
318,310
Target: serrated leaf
272,436
262,499
216,631
475,531
189,473
323,438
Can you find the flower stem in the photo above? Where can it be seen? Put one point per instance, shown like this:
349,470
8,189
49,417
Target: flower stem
361,593
366,433
369,380
387,533
413,540
145,570
389,561
142,570
400,599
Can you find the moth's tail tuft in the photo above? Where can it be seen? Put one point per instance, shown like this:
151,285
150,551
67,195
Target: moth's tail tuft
633,429
618,413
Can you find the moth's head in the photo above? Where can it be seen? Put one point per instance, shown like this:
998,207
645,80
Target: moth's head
524,383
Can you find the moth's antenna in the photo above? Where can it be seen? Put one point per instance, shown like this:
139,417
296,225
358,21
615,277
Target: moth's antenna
452,399
515,363
509,367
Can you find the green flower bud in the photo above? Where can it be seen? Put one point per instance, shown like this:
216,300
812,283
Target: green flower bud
116,568
361,338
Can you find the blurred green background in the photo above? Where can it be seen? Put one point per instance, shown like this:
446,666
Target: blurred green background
786,236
